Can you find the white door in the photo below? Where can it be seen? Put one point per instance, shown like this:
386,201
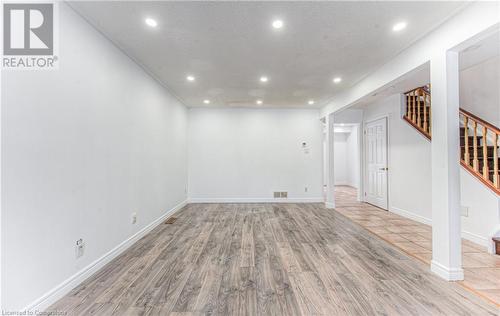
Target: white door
376,163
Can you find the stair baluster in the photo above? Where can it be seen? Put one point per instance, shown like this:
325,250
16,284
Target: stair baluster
425,111
414,116
408,107
430,113
475,162
466,141
496,176
486,171
418,108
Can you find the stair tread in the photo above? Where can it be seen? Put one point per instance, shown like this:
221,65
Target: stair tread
481,146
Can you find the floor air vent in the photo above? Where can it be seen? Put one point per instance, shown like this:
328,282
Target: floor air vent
171,220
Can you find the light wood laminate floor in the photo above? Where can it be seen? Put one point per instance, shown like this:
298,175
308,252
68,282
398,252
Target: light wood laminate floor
266,259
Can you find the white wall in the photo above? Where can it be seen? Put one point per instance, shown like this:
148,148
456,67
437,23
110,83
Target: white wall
340,158
479,90
409,157
483,209
353,159
410,177
247,154
349,116
83,147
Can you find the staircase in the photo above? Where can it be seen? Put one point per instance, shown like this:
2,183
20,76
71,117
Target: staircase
479,145
418,110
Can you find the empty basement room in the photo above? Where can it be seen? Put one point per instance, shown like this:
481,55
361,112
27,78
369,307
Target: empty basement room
250,158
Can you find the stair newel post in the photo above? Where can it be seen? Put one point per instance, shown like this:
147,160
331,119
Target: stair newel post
475,162
425,110
485,154
496,176
414,115
466,140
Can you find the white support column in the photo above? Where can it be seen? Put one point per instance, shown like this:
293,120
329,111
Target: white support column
330,179
446,239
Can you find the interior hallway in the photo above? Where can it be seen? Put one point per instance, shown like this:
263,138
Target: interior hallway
266,259
481,269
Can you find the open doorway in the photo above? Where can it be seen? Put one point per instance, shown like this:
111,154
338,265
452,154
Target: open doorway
346,160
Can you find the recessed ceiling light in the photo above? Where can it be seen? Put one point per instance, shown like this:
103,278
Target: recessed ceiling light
277,24
151,22
259,102
310,102
206,101
264,79
190,78
342,124
399,26
337,79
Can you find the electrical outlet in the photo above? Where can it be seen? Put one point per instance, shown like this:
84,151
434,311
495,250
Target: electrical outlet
80,248
464,210
134,218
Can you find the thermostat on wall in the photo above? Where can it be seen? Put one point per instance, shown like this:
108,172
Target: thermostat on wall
305,148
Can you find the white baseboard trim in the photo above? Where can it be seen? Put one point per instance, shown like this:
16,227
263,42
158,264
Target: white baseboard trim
480,240
455,274
410,215
66,286
256,200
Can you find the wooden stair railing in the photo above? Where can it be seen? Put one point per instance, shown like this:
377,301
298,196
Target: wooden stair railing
418,110
479,140
479,152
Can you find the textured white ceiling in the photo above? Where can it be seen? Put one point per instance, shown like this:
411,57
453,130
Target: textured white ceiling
484,50
229,45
